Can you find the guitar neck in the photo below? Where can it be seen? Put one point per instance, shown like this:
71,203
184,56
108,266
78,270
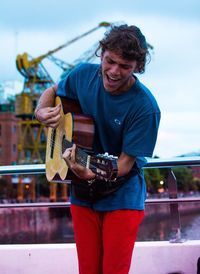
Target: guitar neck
104,166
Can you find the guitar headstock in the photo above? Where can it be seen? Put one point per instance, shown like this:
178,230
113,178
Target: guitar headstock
104,166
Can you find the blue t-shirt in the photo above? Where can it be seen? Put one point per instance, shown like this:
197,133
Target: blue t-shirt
127,123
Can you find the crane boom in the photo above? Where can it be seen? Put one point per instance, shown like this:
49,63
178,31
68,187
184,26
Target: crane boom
102,24
27,65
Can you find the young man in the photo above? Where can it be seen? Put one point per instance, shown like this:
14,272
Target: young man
126,118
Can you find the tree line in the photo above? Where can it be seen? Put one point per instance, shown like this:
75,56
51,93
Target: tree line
156,179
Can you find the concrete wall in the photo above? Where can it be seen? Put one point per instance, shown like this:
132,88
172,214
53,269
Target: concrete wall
148,258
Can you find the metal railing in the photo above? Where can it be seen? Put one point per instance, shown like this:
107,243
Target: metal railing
173,199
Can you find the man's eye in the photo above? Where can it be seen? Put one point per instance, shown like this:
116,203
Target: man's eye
110,61
125,67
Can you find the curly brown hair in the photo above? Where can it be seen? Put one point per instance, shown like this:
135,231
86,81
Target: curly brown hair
128,42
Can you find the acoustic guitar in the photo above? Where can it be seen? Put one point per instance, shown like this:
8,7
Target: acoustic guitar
78,128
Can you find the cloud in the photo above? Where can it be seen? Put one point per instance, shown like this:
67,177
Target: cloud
64,14
179,133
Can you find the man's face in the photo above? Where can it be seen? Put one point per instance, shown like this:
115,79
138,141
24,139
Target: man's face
117,72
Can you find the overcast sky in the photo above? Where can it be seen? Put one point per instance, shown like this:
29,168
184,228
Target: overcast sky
172,27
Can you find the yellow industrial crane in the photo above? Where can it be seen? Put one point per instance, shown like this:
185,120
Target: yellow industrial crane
35,74
37,78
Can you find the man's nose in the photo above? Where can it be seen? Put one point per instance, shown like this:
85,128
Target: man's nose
115,70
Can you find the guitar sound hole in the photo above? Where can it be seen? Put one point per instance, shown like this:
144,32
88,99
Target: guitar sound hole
63,144
53,136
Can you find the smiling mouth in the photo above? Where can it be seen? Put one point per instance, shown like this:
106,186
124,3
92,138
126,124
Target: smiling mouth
112,79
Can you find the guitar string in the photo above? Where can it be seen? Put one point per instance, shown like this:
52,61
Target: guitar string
59,146
84,162
52,142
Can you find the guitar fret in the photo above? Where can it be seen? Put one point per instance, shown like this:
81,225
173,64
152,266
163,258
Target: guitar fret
81,156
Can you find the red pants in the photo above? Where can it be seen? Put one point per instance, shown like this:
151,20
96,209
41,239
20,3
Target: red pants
105,240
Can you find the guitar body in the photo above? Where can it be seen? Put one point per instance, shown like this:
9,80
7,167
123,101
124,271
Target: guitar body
73,128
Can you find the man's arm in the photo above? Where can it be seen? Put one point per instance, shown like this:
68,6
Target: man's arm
124,164
45,111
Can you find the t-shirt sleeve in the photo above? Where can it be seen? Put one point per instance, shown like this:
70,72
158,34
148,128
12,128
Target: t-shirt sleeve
140,135
67,87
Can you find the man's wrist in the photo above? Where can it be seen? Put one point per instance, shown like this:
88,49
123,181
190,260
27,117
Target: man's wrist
36,113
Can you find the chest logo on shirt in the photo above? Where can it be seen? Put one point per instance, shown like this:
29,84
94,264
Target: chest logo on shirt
118,122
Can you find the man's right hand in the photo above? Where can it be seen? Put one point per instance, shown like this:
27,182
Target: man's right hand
50,116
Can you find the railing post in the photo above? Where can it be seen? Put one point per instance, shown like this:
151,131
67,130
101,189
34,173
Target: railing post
174,211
